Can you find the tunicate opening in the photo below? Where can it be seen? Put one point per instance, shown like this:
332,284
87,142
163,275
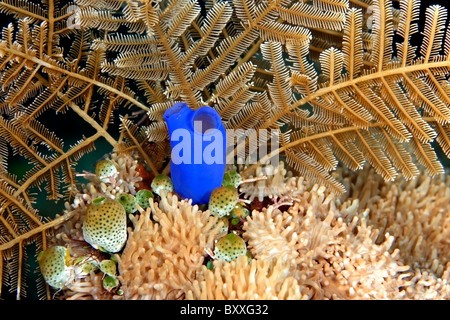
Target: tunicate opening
204,119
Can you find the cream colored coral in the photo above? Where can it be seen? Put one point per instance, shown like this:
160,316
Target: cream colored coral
364,269
303,229
88,287
244,280
330,248
416,214
271,234
166,249
425,285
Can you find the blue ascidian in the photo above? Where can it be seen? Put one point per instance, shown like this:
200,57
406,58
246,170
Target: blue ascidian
198,142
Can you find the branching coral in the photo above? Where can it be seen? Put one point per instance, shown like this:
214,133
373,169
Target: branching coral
416,214
88,287
336,249
166,249
244,280
271,235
